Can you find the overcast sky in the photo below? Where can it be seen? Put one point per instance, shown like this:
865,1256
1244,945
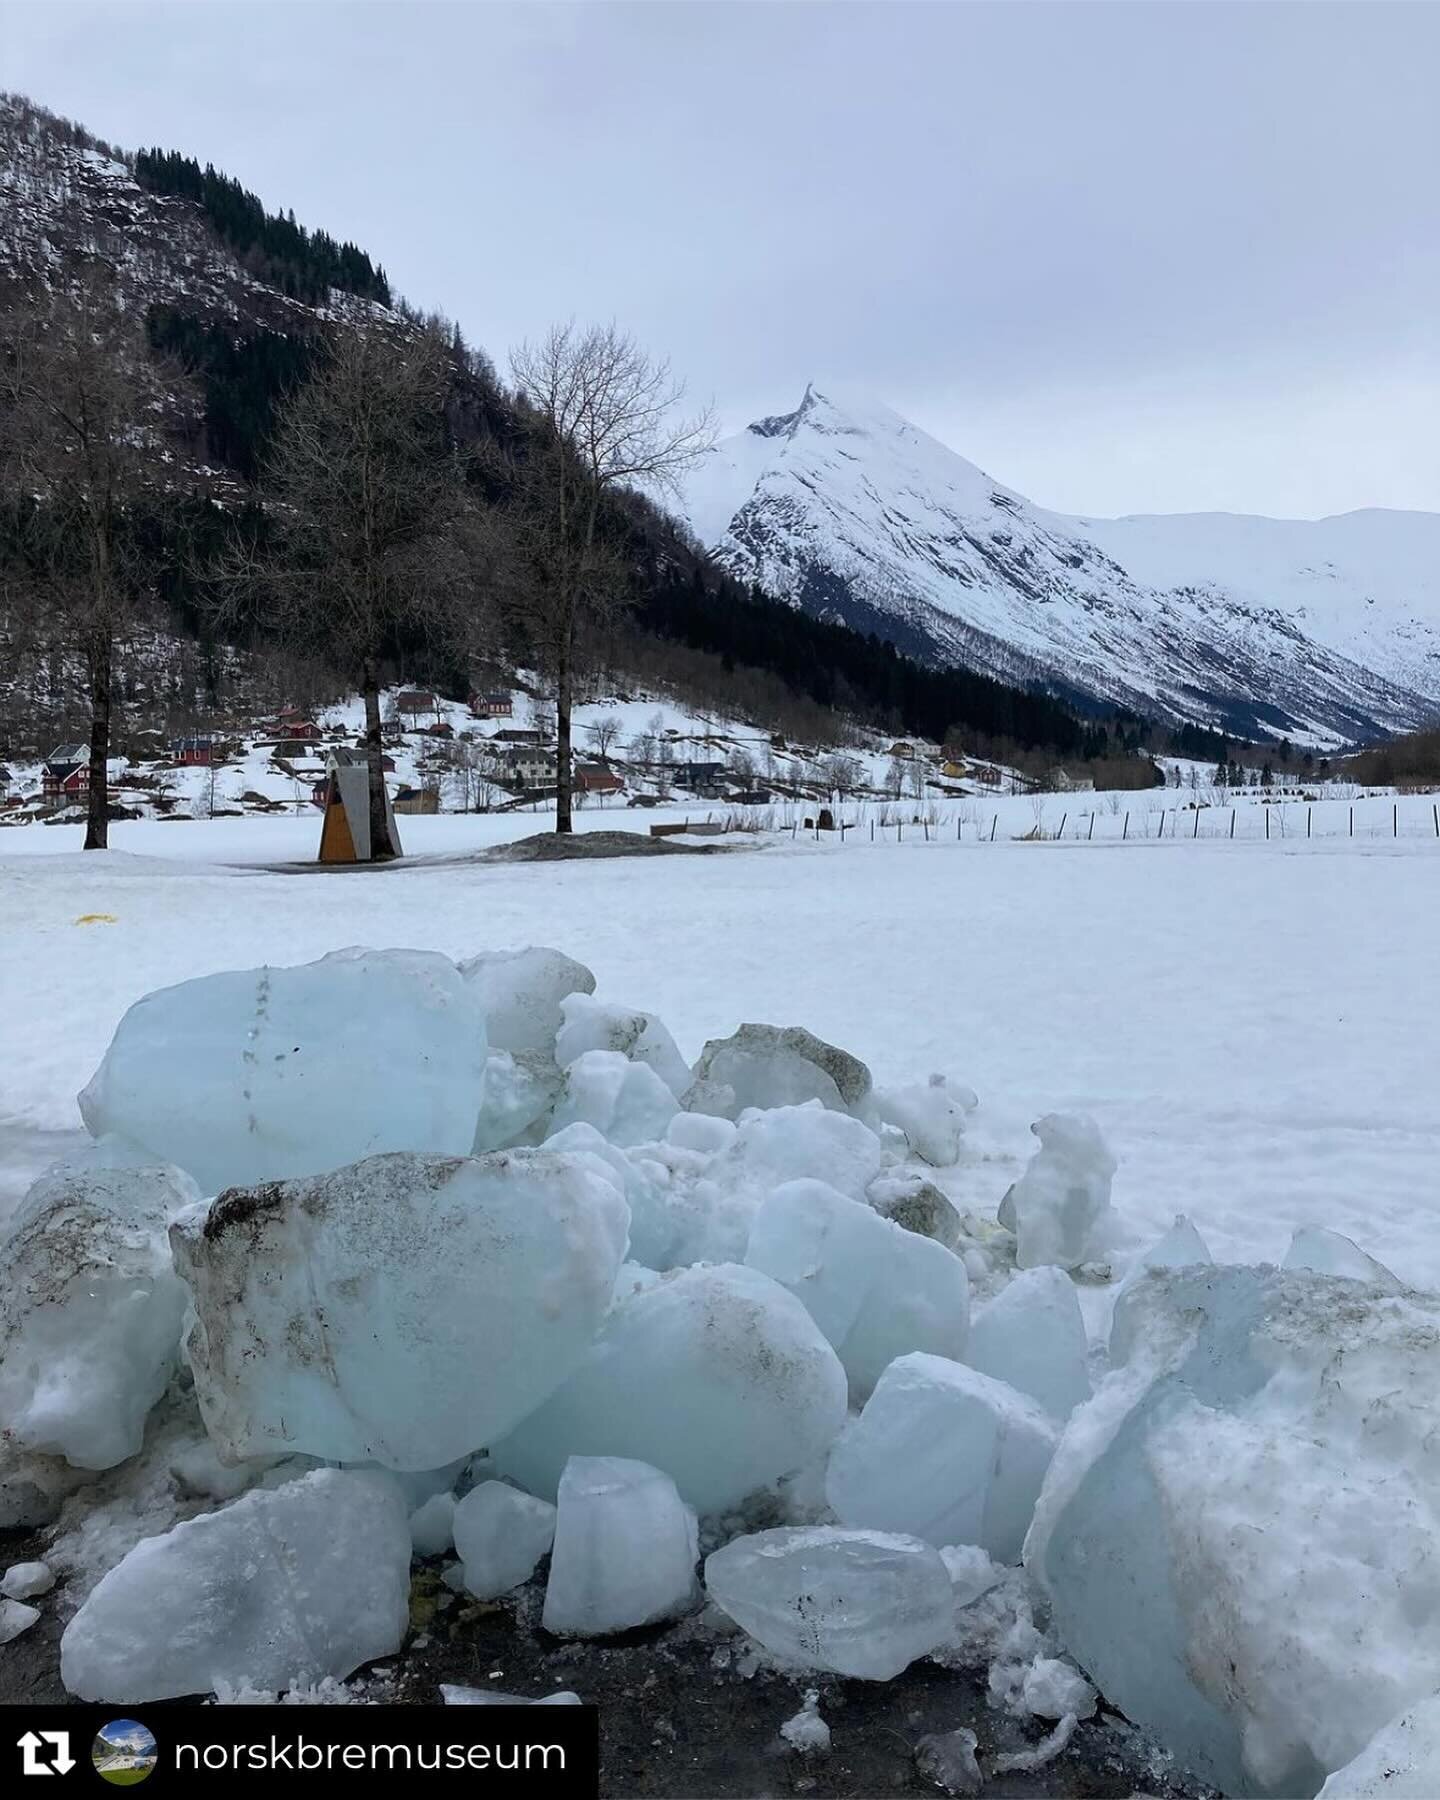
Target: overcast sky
1147,257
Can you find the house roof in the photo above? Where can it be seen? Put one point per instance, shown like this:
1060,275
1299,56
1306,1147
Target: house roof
69,754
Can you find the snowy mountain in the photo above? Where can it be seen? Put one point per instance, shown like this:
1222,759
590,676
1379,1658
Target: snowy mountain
1322,631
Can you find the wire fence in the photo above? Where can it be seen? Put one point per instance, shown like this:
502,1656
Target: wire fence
1069,819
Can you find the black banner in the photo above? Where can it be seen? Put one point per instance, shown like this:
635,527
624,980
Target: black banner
524,1750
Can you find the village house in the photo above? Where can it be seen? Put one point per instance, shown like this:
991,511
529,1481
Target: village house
66,780
591,778
493,706
524,765
516,734
698,775
412,800
904,751
293,723
197,752
415,704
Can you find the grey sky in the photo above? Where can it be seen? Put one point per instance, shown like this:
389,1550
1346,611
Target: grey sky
1140,257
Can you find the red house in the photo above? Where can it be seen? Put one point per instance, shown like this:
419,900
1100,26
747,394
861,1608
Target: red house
590,779
194,752
493,706
293,723
67,775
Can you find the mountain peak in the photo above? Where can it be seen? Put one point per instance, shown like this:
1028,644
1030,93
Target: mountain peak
1319,630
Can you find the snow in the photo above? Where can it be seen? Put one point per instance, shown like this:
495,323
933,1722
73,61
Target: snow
500,1535
1399,1763
90,1310
1305,626
1238,1534
273,1072
931,1115
806,1731
944,1453
1294,1094
625,1550
860,1603
1295,1085
1062,1198
715,1374
347,1315
283,1587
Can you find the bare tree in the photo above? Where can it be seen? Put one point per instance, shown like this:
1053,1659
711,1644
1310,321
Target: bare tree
378,539
84,413
605,417
603,735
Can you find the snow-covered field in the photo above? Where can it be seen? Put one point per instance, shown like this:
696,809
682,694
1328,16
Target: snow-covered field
1254,1025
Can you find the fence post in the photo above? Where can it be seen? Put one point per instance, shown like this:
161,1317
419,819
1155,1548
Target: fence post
899,832
1091,832
1233,816
1436,810
994,821
1196,832
1352,821
1395,811
957,830
1061,832
1308,811
1126,832
1267,824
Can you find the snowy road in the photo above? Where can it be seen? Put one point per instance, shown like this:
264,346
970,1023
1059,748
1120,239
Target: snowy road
1257,1027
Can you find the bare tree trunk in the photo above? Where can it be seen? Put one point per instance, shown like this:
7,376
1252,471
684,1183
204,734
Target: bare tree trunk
101,659
563,777
382,847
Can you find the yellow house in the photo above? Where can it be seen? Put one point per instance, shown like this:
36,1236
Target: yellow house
954,771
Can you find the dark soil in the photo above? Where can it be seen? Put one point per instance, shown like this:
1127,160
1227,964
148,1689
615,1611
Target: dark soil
681,1719
686,1713
550,846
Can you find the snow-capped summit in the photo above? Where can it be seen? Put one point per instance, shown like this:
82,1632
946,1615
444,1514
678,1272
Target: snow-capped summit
1323,629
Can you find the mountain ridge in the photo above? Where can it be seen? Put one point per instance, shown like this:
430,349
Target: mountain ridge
1320,630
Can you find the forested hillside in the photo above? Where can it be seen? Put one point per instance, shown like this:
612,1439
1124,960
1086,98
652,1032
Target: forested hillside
242,302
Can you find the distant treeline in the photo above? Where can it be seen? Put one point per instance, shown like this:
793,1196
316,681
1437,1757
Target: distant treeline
1415,757
244,375
303,264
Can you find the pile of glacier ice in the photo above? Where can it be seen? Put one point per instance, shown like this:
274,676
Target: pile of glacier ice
386,1257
